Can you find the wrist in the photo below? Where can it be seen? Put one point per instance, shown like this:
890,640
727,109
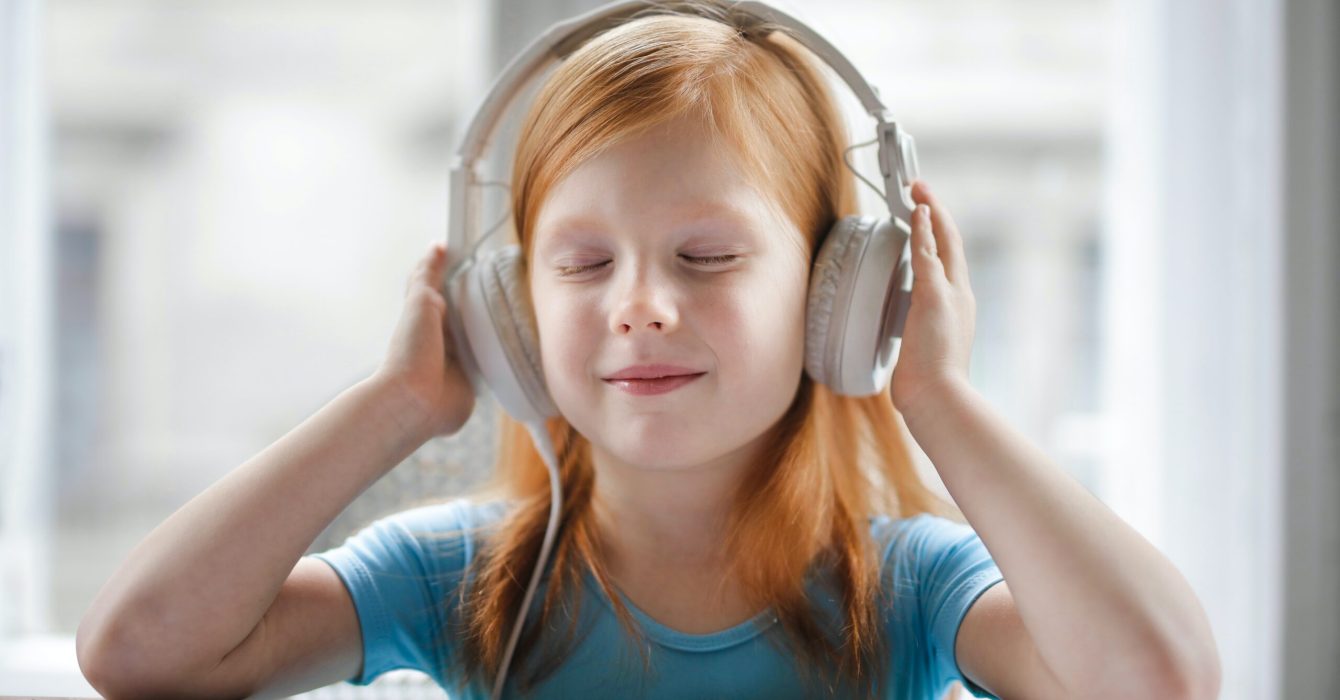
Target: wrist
932,398
397,401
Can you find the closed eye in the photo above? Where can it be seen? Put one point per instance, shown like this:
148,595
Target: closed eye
713,259
567,270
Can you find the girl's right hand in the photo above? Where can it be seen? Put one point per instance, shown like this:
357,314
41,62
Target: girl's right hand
421,359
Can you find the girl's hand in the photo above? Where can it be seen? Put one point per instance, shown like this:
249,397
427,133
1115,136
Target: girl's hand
421,359
938,331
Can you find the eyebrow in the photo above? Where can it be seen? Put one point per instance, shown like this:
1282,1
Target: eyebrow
710,211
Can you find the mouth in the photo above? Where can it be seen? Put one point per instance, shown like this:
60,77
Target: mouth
651,386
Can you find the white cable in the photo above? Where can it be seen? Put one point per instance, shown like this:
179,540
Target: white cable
543,443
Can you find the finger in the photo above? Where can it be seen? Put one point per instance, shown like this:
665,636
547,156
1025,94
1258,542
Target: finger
428,270
926,262
436,257
437,262
946,233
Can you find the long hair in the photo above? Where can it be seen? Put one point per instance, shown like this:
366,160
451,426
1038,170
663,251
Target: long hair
837,461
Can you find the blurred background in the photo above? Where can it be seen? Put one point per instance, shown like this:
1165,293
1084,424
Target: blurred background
208,210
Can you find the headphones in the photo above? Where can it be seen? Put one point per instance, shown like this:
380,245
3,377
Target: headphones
859,290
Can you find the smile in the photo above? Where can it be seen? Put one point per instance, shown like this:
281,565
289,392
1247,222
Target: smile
651,387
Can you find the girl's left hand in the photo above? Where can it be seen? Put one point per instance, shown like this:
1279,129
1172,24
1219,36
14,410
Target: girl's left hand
938,331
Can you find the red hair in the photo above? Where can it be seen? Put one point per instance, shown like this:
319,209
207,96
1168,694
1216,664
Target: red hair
836,461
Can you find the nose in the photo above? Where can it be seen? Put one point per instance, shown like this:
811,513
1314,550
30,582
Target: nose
644,306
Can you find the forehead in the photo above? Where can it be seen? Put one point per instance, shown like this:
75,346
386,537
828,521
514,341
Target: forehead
615,194
669,180
711,214
676,162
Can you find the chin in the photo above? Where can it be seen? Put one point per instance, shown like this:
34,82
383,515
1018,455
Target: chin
651,447
650,460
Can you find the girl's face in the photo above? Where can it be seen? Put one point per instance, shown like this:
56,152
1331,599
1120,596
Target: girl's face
658,251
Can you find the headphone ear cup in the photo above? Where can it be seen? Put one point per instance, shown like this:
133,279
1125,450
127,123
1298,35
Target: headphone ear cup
859,291
513,312
493,301
825,279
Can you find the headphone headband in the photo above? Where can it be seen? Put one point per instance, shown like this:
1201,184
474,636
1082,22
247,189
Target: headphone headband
897,150
859,287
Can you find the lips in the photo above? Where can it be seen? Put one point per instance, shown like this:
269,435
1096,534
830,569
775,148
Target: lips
647,380
657,371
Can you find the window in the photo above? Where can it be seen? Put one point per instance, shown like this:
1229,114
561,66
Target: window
200,203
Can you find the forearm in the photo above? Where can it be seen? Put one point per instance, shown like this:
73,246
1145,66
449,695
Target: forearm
197,585
1102,604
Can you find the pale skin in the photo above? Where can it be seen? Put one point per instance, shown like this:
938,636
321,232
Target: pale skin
218,600
684,264
1090,608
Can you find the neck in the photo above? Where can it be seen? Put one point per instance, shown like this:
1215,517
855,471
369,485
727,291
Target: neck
668,518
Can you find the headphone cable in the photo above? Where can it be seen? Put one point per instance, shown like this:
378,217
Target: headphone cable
545,445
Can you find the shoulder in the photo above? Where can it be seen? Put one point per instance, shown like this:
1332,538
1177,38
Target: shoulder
933,569
401,571
436,540
931,555
458,515
921,539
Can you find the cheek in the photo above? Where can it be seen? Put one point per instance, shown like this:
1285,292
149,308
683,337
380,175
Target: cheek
566,340
764,327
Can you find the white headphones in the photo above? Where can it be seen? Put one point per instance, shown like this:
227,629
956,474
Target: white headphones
859,290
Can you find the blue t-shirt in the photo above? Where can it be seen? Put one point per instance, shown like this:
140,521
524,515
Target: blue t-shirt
403,569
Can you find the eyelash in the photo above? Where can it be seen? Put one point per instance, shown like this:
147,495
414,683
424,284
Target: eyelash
709,259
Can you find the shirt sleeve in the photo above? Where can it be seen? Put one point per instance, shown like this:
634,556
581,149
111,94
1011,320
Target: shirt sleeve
401,572
953,570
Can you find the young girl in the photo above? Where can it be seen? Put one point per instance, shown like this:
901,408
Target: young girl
732,530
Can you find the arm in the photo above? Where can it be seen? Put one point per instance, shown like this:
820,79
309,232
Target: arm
201,583
1089,606
1104,612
